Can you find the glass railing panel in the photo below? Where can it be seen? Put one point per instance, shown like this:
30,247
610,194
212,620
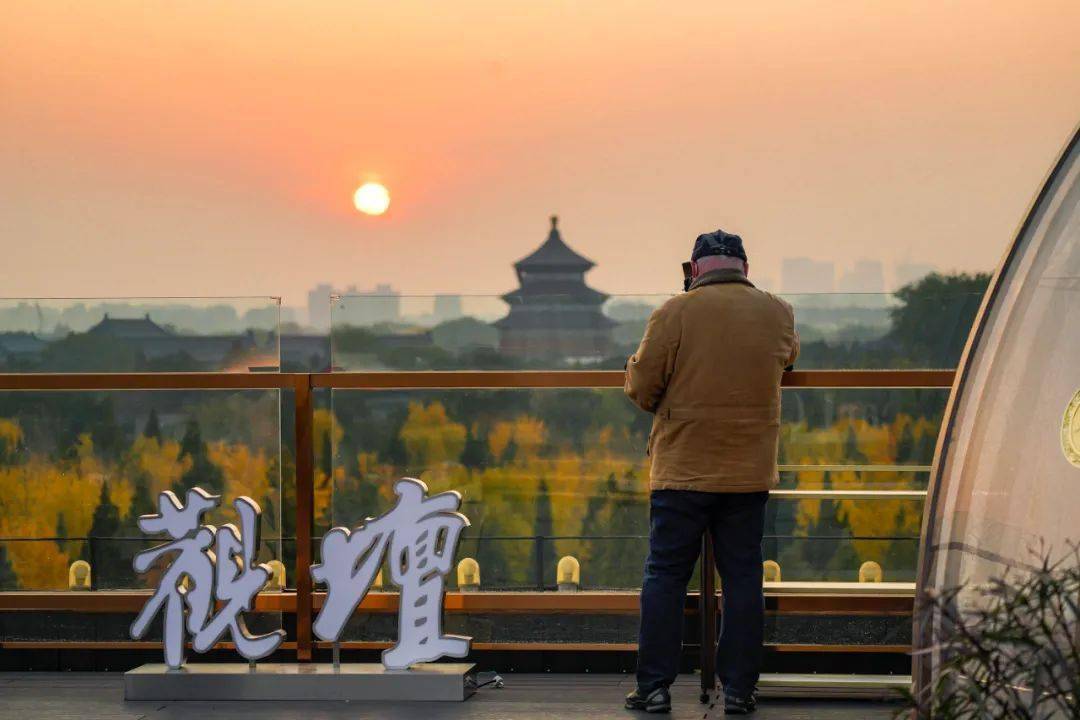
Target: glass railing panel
140,335
859,439
77,469
924,327
541,472
547,473
830,540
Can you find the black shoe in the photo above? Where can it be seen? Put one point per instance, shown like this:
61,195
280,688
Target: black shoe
740,704
658,701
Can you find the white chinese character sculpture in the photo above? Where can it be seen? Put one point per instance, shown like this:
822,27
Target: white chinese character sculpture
418,536
227,574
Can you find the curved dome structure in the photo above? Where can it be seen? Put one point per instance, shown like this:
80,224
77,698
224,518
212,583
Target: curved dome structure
1006,478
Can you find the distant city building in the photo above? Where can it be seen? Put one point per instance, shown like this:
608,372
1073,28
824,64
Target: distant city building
804,275
353,307
380,306
290,315
907,273
20,345
130,329
387,307
867,276
318,306
554,314
447,307
305,352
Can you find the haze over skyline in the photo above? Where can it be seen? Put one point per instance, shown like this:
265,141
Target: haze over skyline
213,149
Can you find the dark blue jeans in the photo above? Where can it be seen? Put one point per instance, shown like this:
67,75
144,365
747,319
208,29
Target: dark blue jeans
678,519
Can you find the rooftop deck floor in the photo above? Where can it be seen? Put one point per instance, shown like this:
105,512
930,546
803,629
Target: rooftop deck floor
99,696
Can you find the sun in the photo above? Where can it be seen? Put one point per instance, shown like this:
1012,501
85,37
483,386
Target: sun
371,198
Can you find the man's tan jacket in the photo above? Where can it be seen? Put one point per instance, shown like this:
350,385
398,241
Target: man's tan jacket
709,366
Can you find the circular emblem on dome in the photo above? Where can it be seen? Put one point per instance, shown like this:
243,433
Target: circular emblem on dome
1070,431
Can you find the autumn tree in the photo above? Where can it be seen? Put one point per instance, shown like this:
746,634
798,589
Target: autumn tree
11,437
430,437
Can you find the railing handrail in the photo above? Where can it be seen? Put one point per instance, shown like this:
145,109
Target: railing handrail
437,379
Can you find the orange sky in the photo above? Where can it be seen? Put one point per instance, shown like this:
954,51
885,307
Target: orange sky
212,148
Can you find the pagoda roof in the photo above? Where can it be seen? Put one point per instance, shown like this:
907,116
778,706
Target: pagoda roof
554,254
556,321
561,291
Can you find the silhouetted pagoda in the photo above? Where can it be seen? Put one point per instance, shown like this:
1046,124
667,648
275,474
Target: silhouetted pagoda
554,314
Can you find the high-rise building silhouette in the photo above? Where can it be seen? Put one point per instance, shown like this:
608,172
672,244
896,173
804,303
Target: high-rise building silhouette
318,306
447,307
805,275
867,276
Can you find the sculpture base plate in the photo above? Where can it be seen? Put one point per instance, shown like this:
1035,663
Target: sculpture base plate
301,681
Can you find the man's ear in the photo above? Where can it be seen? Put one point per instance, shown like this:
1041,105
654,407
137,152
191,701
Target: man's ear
746,268
693,268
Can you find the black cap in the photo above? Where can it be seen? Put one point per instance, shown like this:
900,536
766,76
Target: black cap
718,243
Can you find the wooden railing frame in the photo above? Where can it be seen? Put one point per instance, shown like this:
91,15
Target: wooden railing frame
305,600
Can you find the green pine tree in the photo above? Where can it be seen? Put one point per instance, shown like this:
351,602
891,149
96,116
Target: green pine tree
924,449
109,558
142,503
474,456
191,444
153,426
203,473
543,528
8,579
905,446
61,532
593,526
852,453
509,453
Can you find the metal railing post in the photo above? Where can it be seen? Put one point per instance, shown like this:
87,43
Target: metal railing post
91,553
305,513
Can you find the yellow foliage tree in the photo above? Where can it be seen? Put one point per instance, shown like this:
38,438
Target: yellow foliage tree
430,437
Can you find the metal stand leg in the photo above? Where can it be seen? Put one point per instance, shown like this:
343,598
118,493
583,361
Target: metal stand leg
707,613
337,656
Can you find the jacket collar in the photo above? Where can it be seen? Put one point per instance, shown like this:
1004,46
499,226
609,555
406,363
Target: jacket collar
727,275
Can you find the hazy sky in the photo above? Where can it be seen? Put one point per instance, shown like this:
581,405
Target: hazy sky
212,147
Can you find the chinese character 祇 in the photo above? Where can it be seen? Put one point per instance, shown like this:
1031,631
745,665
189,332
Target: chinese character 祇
227,574
418,536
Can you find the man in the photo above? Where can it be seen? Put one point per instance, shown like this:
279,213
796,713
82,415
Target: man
709,367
